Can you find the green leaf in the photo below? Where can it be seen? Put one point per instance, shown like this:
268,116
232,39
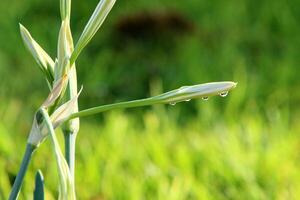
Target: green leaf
62,113
39,186
66,188
40,55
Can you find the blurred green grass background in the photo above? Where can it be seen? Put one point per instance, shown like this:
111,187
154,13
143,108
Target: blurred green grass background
244,146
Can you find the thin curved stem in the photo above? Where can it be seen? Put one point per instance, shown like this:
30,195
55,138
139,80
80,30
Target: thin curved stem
128,104
21,174
185,93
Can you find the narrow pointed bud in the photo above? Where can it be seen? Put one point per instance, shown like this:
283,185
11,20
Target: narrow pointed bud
186,93
42,58
64,50
94,23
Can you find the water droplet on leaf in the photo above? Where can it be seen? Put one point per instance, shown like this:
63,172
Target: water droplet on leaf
205,98
224,94
187,100
173,103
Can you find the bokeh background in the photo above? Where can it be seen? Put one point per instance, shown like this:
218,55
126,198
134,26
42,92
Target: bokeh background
244,146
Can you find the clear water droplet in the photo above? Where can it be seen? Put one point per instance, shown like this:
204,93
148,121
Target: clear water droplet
224,94
187,100
205,98
173,103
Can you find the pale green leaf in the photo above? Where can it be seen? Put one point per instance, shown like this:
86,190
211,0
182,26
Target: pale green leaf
40,55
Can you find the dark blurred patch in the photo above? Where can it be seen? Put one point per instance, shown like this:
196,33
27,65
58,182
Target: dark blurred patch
148,24
141,43
12,177
162,29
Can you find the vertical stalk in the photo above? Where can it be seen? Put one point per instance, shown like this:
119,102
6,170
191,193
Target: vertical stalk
20,177
67,146
71,128
70,142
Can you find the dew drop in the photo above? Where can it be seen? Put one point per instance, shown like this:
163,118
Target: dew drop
224,94
187,100
205,98
173,103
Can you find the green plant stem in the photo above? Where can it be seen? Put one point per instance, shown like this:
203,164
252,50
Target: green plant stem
185,93
128,104
21,174
68,130
70,140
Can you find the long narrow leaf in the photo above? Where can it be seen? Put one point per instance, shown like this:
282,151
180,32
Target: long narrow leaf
67,190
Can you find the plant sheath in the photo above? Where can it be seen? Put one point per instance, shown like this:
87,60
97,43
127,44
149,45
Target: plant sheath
70,140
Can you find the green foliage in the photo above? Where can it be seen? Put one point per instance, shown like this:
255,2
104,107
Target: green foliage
243,147
216,159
